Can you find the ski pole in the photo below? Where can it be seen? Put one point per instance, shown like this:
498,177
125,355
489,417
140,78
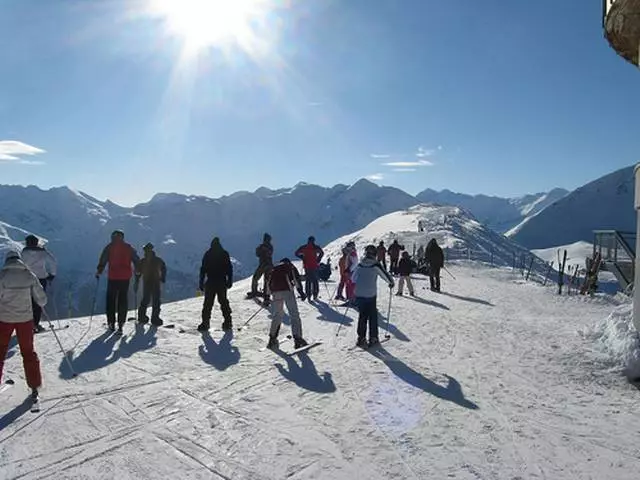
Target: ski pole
251,317
64,353
387,335
447,270
344,315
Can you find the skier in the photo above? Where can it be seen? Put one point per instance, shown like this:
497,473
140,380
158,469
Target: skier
310,254
382,254
324,270
352,264
394,256
153,271
43,264
342,267
365,278
405,267
18,288
420,254
284,278
217,267
264,252
435,257
120,256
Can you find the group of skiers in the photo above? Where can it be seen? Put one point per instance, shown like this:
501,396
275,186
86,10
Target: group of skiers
26,274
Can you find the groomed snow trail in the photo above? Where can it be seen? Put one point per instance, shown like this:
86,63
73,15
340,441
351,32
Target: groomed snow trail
488,380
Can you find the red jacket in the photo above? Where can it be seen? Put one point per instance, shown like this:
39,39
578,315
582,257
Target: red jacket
311,254
120,256
284,277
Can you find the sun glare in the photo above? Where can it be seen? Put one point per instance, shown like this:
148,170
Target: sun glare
214,23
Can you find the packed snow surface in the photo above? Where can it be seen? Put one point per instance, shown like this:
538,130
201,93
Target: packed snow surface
488,380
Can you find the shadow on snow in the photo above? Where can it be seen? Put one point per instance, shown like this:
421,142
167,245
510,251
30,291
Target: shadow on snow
468,299
330,314
219,355
100,353
305,374
431,303
452,392
10,417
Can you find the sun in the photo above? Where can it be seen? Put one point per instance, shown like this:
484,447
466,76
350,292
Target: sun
214,23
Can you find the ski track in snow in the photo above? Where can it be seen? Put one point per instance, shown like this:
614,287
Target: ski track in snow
488,380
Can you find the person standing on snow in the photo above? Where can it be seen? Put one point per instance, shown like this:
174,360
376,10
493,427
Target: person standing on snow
435,258
342,268
405,267
284,278
381,254
43,264
218,270
310,254
120,256
153,271
394,256
352,264
420,254
365,276
18,288
264,252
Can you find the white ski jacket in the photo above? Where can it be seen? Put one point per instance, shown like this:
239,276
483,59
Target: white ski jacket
18,285
40,261
366,276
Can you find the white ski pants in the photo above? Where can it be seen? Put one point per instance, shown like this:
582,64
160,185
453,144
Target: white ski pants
409,284
279,299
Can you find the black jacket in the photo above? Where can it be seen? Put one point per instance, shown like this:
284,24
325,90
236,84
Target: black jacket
152,269
405,266
216,266
434,254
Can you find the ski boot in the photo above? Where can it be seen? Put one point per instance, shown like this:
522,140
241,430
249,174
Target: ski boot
111,327
373,341
38,329
156,321
273,344
142,319
203,327
361,342
340,297
399,294
35,403
227,325
119,332
299,342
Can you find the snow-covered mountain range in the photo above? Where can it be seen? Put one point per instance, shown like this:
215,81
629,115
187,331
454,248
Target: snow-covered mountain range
605,203
500,214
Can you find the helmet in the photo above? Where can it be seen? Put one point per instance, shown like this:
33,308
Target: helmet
266,237
370,250
312,239
405,254
148,246
285,260
117,233
31,241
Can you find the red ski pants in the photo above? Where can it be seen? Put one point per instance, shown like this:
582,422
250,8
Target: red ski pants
24,332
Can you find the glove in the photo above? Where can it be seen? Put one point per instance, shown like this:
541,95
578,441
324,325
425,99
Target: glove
229,283
50,278
391,285
201,287
98,274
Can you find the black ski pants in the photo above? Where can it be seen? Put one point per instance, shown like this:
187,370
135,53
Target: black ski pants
117,301
37,309
368,314
394,265
434,278
150,290
210,294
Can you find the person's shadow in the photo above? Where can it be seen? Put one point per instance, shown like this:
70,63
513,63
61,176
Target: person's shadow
330,314
220,355
431,303
98,354
468,299
305,374
141,340
452,392
10,417
391,328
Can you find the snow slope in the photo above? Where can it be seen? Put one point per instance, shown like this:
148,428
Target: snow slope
576,253
487,380
500,214
455,229
605,203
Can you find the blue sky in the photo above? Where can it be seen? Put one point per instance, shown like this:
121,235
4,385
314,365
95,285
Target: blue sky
496,97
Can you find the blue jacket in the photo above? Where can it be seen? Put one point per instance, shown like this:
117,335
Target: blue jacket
366,276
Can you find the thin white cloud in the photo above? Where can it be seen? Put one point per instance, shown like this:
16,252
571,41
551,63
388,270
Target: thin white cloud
315,104
405,169
31,162
11,151
423,152
417,163
375,177
380,156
